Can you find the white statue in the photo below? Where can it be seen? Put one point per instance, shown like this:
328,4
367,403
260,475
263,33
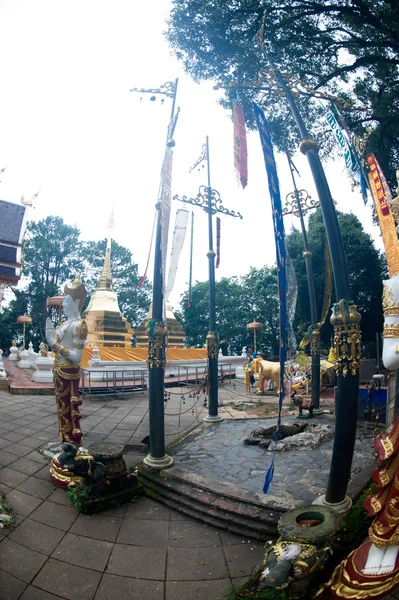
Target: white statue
3,374
14,354
67,343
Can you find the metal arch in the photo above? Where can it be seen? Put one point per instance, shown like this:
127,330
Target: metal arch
168,89
306,202
202,200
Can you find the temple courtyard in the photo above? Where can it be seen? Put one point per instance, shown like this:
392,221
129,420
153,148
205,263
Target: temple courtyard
146,550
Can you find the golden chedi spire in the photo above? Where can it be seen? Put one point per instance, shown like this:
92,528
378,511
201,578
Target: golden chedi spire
106,324
105,281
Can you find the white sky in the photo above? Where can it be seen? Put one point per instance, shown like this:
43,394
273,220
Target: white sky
70,126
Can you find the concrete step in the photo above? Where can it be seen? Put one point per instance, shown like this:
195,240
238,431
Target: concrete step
250,519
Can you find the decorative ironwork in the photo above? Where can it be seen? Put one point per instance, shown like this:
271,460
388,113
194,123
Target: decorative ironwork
347,338
157,345
212,344
315,342
168,89
306,202
202,200
267,81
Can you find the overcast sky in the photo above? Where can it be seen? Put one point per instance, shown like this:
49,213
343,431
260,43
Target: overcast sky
71,128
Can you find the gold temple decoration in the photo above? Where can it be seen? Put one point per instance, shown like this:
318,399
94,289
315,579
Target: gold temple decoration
345,319
157,345
25,320
106,324
315,342
255,326
309,144
176,333
388,303
391,330
212,344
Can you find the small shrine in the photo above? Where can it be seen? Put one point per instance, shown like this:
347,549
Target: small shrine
176,333
106,324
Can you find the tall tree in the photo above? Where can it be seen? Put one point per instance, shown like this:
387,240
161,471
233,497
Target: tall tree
366,267
345,48
260,299
239,301
52,256
133,302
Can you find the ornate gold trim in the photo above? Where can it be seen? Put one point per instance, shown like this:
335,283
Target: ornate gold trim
157,345
388,302
308,144
345,319
315,342
212,344
391,330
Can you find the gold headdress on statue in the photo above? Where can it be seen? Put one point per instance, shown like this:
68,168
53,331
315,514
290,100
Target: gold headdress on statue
77,291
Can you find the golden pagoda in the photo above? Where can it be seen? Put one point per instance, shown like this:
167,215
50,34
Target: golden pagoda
106,324
176,332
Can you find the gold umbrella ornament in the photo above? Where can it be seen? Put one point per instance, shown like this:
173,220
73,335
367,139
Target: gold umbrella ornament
256,326
25,320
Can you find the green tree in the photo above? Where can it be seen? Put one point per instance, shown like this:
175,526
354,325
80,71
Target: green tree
133,302
347,48
52,257
239,301
260,302
366,268
195,320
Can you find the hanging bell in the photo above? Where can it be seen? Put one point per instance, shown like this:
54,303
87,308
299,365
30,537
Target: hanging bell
171,143
153,98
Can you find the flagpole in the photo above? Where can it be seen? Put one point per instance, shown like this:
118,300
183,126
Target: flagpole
209,199
157,336
212,338
345,320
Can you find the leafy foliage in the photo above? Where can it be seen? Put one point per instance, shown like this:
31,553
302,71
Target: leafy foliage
239,301
366,267
53,255
347,48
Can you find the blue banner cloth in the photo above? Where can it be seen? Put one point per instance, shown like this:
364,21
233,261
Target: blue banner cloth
278,223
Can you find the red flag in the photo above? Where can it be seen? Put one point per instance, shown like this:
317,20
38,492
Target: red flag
240,144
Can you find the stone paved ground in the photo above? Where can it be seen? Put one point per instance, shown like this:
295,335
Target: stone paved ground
218,453
141,551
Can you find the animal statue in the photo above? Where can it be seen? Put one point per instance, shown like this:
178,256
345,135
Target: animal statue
91,472
302,404
291,566
267,371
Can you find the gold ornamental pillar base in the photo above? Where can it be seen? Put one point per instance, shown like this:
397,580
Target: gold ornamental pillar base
61,476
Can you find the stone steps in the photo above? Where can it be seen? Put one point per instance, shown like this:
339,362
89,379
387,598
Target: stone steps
218,505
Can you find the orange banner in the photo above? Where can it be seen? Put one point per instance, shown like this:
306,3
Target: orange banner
140,354
382,195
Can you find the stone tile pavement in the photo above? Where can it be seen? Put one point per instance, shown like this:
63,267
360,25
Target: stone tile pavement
138,551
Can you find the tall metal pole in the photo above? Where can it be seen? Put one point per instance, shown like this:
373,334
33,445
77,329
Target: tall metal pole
157,458
209,199
346,322
212,338
315,336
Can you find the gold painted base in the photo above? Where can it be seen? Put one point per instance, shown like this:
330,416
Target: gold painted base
348,581
61,476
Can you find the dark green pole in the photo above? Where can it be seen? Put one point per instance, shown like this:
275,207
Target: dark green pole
345,319
157,342
212,341
315,337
